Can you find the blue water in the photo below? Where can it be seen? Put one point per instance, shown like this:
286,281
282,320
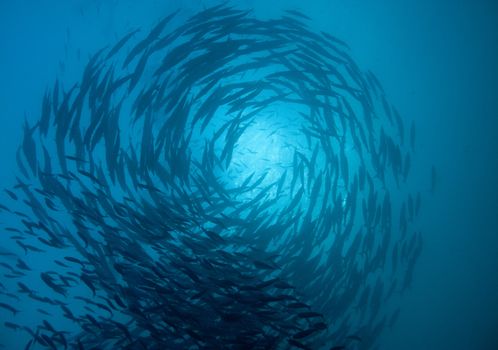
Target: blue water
437,61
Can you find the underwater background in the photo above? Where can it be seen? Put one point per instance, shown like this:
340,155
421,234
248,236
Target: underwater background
437,63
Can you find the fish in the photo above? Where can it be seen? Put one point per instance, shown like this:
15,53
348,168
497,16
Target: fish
11,194
121,43
29,146
297,14
12,325
49,281
177,229
9,308
305,333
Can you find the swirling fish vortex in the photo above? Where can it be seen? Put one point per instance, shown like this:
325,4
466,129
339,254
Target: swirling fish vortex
227,182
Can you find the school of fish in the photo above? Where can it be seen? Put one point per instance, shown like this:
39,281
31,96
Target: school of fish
219,182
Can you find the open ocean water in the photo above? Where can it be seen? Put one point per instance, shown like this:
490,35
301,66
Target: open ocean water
232,179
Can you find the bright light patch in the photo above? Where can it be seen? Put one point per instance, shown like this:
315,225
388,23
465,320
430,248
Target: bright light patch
264,148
